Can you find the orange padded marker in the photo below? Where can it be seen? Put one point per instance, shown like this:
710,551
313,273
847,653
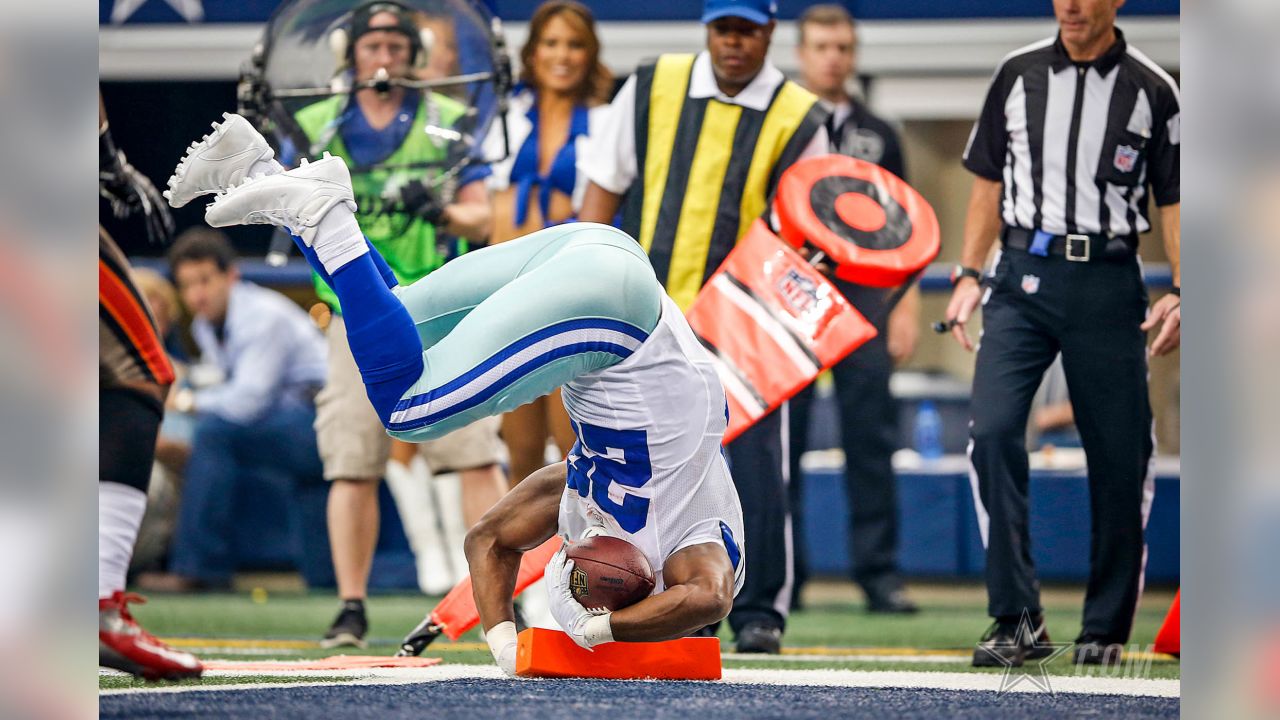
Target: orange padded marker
553,654
456,613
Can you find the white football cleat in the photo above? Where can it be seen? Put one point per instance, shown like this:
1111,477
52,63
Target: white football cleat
296,199
218,161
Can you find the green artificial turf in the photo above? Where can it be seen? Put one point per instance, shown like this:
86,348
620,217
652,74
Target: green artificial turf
951,620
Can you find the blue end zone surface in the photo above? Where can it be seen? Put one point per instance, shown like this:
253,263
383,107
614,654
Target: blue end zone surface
618,700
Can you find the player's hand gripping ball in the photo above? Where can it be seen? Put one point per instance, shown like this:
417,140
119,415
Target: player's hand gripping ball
608,573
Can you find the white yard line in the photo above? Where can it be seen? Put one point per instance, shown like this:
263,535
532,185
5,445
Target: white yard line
362,676
950,659
951,681
818,678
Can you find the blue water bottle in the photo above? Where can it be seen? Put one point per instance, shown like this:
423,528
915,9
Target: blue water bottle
928,431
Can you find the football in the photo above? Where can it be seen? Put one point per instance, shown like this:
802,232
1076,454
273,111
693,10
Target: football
608,573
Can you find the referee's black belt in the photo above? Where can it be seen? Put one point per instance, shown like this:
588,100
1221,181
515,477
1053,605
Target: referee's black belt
1075,247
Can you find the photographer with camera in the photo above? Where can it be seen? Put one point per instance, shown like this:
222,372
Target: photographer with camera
408,212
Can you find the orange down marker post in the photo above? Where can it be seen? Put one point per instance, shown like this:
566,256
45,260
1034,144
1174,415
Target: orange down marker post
456,613
553,654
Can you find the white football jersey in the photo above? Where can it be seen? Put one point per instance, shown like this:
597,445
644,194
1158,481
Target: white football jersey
648,464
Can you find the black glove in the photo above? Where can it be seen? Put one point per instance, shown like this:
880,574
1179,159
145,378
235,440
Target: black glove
130,192
420,200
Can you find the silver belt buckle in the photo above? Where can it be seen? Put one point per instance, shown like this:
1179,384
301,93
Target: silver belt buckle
1073,248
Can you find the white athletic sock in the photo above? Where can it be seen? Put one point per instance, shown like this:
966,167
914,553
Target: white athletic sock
415,501
338,239
120,510
449,504
259,168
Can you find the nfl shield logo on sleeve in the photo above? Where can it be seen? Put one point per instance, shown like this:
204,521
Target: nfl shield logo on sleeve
1030,284
1126,158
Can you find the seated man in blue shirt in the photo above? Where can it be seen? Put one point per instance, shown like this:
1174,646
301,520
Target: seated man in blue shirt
254,424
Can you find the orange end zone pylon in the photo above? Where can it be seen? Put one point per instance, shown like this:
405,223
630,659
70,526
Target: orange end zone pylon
456,613
1169,639
553,654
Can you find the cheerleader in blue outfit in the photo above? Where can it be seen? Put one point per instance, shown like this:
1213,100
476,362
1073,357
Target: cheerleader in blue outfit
562,94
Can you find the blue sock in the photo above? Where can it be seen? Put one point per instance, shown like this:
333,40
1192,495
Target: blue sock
384,270
380,331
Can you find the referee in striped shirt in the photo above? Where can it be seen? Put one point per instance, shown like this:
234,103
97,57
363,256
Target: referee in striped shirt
1077,134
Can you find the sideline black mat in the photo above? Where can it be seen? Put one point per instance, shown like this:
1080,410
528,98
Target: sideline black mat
619,700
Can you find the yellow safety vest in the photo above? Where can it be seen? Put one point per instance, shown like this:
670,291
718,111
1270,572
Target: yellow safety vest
706,169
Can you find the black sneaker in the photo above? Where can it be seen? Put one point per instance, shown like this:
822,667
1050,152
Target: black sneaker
760,638
893,602
349,628
1008,643
1091,651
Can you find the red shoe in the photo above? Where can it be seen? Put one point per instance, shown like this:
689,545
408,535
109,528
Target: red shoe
124,645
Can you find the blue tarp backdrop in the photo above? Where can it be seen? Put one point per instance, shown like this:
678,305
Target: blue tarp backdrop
939,528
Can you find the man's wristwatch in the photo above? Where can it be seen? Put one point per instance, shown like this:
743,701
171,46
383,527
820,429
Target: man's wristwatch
960,272
1176,290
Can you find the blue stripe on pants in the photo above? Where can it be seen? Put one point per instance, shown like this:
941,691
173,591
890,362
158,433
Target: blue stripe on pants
589,286
564,330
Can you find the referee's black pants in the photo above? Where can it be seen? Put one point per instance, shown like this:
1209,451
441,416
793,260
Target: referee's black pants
758,461
868,436
1090,312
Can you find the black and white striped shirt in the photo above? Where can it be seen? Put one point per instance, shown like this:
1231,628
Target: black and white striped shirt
1076,145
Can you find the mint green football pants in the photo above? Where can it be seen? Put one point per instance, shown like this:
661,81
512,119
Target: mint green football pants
507,324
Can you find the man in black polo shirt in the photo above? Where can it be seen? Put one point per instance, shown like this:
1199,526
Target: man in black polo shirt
868,415
1075,133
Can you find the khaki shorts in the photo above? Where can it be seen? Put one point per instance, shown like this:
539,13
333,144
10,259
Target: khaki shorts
353,442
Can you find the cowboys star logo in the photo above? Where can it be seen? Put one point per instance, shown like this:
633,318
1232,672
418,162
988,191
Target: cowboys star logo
190,10
1036,674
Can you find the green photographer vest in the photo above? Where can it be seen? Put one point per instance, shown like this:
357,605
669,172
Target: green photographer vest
408,243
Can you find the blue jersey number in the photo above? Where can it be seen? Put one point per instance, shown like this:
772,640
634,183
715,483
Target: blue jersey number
603,456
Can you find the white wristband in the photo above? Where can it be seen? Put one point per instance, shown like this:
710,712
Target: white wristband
598,630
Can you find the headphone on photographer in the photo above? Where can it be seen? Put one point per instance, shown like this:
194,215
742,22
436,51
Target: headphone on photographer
343,40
